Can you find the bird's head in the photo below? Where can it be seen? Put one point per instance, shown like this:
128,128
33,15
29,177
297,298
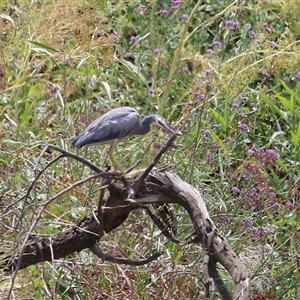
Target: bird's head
161,122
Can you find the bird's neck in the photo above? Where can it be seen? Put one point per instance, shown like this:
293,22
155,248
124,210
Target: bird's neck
144,126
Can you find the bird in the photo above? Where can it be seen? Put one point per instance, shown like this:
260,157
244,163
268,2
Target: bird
115,126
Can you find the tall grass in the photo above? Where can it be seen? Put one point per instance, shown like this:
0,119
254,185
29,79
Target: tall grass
230,67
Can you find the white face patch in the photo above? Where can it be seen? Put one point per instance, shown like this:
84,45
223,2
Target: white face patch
160,122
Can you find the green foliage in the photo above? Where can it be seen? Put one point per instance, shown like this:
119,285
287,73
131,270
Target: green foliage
231,68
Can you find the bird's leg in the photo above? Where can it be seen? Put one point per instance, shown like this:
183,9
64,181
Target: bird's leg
113,161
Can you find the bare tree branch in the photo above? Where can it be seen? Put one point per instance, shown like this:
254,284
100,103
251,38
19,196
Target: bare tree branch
156,189
164,228
124,261
216,246
157,157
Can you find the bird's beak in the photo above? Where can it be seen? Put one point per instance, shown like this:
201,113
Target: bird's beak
169,129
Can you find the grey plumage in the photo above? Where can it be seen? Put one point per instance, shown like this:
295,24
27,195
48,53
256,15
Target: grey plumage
117,125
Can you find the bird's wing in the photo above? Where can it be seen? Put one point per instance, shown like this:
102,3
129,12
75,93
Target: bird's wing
115,124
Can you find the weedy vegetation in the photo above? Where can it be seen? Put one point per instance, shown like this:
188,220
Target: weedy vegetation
232,68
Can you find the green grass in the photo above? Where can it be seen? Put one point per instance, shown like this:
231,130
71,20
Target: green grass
63,63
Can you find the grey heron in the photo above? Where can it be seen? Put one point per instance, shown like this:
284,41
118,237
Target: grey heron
115,126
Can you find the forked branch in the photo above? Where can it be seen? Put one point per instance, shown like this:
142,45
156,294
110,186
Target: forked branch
156,189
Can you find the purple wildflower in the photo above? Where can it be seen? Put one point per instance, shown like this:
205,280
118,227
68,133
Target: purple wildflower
239,97
175,4
235,105
175,7
210,51
134,39
272,153
267,156
245,176
116,37
164,12
232,25
141,7
151,92
11,169
257,233
54,89
206,132
265,74
274,205
251,198
157,51
207,71
287,79
272,44
186,70
270,157
199,96
184,16
253,35
223,219
132,292
247,222
244,127
214,146
297,76
217,44
251,152
267,28
235,190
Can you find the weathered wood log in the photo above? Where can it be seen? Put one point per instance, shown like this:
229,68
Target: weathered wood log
81,236
158,188
216,246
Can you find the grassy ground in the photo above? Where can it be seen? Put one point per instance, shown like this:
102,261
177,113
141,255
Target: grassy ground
234,65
